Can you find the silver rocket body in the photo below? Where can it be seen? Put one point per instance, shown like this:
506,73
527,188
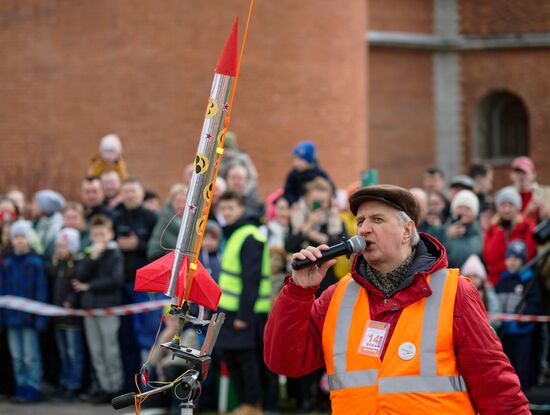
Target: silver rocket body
201,187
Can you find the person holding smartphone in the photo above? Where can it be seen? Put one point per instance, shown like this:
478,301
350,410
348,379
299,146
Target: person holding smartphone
462,235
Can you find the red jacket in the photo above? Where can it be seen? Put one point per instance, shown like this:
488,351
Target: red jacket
495,241
293,334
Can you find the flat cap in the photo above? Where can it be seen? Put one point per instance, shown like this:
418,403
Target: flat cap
395,196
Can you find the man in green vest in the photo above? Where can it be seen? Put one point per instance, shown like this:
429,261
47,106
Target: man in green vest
246,300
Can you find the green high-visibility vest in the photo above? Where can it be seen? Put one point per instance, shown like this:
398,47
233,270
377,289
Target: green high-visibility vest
231,273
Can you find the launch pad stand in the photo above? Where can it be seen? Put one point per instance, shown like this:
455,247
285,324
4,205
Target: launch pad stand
187,388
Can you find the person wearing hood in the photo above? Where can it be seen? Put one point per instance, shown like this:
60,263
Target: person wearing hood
305,168
46,210
401,333
246,300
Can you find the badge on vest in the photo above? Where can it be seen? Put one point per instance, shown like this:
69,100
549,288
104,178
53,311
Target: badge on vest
406,351
374,337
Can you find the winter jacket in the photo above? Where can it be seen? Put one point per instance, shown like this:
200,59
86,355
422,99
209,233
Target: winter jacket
495,241
140,221
61,273
105,275
459,249
251,263
511,289
296,181
98,210
98,166
293,333
47,228
333,227
169,235
24,276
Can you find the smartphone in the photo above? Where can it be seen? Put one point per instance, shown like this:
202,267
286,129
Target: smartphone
456,219
368,177
316,204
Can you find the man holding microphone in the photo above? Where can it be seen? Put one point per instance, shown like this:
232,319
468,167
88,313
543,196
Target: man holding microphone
401,333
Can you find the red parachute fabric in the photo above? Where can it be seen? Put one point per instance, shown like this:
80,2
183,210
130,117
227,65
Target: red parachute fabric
155,277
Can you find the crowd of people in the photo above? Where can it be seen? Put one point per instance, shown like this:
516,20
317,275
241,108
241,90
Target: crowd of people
85,254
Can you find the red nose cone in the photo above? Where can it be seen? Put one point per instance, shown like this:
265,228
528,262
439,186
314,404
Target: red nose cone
229,59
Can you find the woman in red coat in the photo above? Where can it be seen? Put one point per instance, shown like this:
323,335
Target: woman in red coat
507,225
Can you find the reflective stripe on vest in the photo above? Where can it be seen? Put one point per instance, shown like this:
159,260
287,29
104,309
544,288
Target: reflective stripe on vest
404,384
343,379
230,280
429,382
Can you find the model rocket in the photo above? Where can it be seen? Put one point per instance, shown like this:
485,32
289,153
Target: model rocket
185,266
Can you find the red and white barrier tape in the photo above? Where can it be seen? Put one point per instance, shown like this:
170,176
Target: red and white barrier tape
43,309
524,318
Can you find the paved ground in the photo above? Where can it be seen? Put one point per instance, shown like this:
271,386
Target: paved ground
7,408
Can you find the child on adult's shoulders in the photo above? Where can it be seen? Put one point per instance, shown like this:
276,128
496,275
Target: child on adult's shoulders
305,168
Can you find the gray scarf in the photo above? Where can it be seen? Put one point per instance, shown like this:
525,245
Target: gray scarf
388,283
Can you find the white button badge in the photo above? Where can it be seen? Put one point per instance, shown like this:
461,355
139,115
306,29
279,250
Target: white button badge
407,351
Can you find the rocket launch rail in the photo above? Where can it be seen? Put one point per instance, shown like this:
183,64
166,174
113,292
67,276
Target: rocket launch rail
186,388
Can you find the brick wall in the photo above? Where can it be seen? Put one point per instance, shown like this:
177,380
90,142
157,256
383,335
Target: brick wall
401,113
523,73
413,16
401,128
75,70
485,17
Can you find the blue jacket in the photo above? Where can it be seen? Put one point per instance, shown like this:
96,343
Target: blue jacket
24,276
510,290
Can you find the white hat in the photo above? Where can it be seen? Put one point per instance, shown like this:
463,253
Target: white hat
465,198
72,237
111,142
473,267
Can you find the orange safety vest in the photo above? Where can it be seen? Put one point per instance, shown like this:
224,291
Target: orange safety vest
427,383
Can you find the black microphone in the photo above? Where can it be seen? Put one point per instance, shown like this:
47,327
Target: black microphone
351,246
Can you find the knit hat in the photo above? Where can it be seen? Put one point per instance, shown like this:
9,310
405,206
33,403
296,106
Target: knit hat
21,228
473,267
72,237
111,142
517,249
306,150
213,228
508,194
465,198
463,181
49,201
